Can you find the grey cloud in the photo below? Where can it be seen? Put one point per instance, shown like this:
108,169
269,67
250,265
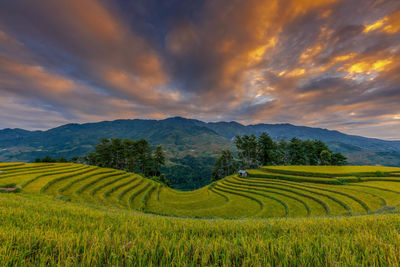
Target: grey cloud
208,60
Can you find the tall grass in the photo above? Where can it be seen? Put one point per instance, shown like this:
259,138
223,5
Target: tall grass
39,231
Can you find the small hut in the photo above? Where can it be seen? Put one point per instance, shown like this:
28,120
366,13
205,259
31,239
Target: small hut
243,173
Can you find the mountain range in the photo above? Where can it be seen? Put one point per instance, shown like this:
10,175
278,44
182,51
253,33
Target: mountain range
191,145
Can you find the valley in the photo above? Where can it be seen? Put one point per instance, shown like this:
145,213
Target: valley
191,146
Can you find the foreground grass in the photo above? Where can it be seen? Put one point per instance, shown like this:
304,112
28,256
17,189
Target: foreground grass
38,230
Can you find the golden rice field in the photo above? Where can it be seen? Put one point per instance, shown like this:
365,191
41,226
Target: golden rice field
71,214
287,191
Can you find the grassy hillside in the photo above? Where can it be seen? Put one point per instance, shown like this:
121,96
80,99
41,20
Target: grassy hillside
71,214
38,230
287,191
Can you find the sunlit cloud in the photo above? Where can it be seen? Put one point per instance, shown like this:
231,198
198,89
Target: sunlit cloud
324,63
376,25
389,24
369,67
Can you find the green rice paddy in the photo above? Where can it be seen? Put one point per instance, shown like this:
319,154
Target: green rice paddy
72,214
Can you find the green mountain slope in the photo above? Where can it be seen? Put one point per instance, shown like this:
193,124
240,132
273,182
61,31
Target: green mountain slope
191,145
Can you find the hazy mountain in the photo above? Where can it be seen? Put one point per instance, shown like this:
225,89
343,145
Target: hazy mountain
286,130
191,145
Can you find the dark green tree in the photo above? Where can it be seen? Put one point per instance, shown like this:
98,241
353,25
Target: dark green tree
247,151
159,160
76,159
296,152
117,153
62,160
319,146
224,166
266,149
48,159
144,158
102,156
338,159
130,155
326,157
92,159
281,153
310,154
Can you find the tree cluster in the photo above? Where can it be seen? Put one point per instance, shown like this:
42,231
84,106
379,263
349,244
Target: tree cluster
224,166
295,152
49,159
133,156
254,152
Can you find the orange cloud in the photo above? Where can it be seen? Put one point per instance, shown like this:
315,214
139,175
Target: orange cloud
368,67
393,25
257,54
96,35
98,21
342,58
310,53
295,73
73,97
253,60
239,38
302,6
376,25
389,24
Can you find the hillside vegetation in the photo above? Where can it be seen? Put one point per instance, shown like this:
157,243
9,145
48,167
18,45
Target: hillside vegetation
37,230
71,214
191,146
286,191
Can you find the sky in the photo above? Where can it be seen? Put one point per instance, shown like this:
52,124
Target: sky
322,63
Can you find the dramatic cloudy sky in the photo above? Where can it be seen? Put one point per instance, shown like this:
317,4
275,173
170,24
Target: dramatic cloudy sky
327,63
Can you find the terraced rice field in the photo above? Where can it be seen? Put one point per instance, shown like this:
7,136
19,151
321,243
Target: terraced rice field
77,215
287,191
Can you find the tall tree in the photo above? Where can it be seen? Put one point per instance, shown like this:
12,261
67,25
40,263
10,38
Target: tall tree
117,153
145,160
247,147
320,146
103,155
296,152
133,156
338,159
130,155
326,157
310,152
224,166
266,149
159,160
281,153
